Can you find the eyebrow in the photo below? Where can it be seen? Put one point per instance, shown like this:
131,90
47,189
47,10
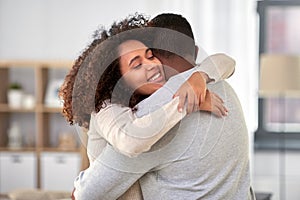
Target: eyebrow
136,57
133,59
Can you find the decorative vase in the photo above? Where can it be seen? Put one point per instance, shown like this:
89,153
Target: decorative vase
14,136
15,98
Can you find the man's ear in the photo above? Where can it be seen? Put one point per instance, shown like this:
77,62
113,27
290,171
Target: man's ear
196,51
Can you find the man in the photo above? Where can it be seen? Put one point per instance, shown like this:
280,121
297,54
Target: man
193,162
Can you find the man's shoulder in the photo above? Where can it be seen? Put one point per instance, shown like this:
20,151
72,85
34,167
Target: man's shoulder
221,87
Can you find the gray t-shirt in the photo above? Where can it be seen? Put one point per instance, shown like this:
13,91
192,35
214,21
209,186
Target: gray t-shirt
207,158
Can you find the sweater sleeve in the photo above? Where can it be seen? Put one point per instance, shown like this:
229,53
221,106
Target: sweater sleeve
217,66
132,135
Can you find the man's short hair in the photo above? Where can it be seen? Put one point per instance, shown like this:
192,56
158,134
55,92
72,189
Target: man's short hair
180,26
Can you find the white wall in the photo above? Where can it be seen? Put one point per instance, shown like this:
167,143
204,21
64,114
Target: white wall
57,29
60,29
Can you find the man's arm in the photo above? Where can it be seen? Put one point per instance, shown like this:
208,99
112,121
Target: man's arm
112,173
100,181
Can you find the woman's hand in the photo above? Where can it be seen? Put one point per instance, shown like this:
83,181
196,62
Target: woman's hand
193,91
213,103
198,97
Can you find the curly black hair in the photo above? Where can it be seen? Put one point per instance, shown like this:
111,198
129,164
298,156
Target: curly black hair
95,76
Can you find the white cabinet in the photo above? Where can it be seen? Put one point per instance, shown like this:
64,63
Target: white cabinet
17,170
59,170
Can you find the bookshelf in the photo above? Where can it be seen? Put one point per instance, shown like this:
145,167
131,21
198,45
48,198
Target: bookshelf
40,125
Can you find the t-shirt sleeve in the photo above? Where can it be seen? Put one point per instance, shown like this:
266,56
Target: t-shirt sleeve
101,181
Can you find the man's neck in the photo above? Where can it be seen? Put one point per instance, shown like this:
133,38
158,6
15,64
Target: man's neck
174,65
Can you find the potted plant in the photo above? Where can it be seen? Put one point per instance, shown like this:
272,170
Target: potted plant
15,94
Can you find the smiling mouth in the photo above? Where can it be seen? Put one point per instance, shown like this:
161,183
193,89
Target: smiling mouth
155,77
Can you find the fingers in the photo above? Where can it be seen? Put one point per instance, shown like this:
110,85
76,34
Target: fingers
191,102
202,97
212,103
182,98
219,109
223,110
217,112
192,93
188,97
196,104
217,96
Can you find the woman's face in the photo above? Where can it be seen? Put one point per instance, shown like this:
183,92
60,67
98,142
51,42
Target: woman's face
140,69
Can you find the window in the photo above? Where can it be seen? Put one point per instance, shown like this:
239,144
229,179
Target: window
279,34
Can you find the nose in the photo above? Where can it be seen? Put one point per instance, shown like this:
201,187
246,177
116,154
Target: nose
149,66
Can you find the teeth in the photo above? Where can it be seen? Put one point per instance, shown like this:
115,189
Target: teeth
155,77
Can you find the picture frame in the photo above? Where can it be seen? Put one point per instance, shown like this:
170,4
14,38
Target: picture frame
51,98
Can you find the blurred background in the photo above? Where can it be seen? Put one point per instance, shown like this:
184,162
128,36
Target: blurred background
40,39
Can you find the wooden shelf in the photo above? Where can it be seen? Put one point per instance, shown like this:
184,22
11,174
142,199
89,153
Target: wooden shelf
44,121
36,63
56,149
38,108
23,149
40,149
7,108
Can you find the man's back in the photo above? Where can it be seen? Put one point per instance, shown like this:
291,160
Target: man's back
207,158
211,159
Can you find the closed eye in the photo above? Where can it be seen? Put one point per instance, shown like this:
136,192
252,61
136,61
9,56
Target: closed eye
137,66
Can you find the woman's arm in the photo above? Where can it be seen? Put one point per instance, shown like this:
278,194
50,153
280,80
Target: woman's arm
213,69
217,67
132,135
